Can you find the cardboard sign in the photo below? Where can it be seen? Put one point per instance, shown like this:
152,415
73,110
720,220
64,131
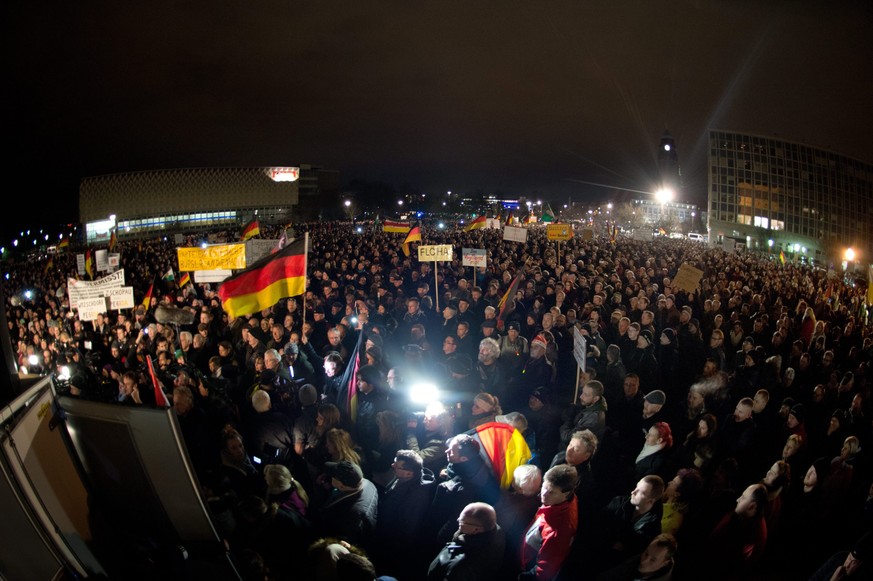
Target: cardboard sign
688,278
580,347
90,308
559,232
120,298
435,253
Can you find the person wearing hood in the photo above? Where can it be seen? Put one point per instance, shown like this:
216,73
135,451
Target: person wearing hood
641,360
548,538
402,508
666,353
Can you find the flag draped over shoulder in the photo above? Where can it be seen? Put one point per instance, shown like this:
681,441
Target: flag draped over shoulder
503,448
348,396
253,228
506,300
395,226
413,236
274,277
185,279
477,223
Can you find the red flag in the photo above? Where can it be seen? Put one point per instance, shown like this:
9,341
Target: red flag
506,300
160,396
348,399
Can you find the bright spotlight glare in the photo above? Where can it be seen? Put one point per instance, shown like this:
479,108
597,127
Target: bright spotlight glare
441,225
423,393
64,373
33,360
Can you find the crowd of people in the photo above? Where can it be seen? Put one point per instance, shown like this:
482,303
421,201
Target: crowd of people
721,431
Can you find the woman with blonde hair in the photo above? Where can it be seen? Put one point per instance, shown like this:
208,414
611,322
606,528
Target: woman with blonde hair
485,408
341,447
284,490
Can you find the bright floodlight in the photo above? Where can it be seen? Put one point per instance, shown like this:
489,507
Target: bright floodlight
64,373
423,393
664,195
850,254
33,360
348,203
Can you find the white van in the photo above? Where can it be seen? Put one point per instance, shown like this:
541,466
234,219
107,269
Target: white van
697,236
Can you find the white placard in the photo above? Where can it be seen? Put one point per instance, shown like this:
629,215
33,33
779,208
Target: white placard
101,260
201,276
90,308
89,289
515,234
120,298
580,347
474,257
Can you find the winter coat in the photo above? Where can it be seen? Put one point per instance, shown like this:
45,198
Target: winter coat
548,540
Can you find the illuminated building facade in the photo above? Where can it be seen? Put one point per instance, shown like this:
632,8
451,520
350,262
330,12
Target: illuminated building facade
781,196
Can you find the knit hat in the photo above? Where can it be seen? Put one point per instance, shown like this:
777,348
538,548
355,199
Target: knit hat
656,397
822,469
346,472
670,333
541,394
539,339
645,333
797,411
513,325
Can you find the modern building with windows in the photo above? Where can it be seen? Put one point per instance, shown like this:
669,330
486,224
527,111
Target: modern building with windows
166,201
772,195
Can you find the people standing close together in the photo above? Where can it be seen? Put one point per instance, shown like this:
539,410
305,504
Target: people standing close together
712,433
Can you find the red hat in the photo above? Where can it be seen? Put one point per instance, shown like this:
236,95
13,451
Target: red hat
541,340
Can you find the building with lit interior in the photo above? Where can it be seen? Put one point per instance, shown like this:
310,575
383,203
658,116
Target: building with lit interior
775,196
167,201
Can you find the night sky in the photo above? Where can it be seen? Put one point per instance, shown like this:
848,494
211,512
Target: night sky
525,98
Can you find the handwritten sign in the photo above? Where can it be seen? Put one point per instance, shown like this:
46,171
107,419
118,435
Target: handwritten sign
474,257
222,256
559,232
688,278
435,253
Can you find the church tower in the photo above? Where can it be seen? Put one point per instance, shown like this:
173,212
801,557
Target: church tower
669,173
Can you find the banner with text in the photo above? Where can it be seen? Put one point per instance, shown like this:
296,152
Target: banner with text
435,253
90,289
222,256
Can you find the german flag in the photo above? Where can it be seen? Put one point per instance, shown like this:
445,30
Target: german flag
413,236
147,299
113,241
64,244
479,222
507,300
274,277
251,229
186,278
394,226
89,265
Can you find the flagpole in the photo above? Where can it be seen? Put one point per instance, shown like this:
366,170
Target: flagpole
305,274
435,286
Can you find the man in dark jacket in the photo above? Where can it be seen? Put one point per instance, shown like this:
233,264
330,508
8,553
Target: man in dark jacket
350,512
475,550
402,508
629,523
466,479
